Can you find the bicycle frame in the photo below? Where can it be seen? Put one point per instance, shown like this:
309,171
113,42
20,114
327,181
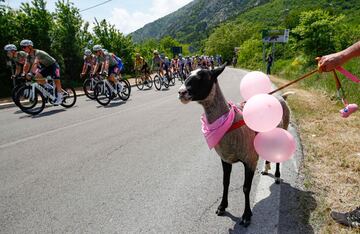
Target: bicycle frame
42,90
113,90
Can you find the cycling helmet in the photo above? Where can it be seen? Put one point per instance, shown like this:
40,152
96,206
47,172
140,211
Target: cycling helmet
10,47
156,52
87,52
26,42
137,54
97,48
180,55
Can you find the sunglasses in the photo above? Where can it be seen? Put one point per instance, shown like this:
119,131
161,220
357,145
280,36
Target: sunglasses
23,47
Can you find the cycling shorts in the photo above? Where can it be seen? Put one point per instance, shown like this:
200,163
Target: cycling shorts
53,70
144,68
114,70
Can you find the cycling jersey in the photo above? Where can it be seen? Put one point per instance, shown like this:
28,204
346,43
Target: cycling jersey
157,61
139,62
107,57
89,60
20,58
48,65
44,58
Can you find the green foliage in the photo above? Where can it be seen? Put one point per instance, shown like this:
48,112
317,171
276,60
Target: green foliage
250,54
225,38
316,31
194,23
35,22
66,41
114,41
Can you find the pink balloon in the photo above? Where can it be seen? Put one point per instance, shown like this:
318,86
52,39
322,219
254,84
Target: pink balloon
262,112
253,83
277,145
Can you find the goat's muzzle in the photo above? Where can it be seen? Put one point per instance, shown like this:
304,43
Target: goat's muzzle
183,95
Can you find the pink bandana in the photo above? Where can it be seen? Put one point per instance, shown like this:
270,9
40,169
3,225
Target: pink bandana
215,131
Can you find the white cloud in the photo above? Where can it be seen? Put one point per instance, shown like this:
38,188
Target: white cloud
128,22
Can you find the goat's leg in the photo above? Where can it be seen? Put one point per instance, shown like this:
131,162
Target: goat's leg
267,168
226,182
277,173
249,175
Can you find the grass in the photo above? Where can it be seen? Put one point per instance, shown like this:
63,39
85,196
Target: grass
331,165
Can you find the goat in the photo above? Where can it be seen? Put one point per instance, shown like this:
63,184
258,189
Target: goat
236,145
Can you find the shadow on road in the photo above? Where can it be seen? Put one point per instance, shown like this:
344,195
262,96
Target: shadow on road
48,113
113,104
295,209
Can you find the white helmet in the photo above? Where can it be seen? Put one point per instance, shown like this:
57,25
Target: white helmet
87,52
26,43
10,47
97,48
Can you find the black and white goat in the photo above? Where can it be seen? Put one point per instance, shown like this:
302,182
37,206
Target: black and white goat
236,145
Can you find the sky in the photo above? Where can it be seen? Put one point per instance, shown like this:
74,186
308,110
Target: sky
126,15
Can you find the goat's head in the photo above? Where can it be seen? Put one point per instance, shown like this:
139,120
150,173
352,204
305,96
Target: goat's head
199,84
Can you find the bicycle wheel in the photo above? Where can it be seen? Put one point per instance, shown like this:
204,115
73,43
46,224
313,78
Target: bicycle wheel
149,82
171,80
126,90
139,83
166,82
14,92
88,88
182,78
30,102
102,93
157,82
69,97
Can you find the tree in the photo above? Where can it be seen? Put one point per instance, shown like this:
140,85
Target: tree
228,36
166,43
317,32
114,41
66,40
35,23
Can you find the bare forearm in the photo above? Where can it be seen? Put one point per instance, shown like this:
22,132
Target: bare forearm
332,61
351,52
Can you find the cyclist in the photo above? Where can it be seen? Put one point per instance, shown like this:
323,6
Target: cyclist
18,57
108,63
166,66
89,62
141,66
157,63
47,64
188,65
175,64
181,63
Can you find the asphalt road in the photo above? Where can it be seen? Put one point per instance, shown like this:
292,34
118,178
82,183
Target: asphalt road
140,166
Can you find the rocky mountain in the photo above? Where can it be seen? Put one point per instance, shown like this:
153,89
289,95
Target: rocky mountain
193,22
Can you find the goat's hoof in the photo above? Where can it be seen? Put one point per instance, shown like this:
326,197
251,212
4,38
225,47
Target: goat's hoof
245,222
277,181
220,212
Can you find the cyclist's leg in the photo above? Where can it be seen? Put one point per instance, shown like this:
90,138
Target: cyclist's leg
56,76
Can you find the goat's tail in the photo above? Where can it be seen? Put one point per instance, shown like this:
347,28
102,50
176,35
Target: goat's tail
285,95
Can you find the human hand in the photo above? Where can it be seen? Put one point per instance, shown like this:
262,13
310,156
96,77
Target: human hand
29,76
329,62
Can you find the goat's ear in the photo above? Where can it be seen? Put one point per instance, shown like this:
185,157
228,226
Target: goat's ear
217,71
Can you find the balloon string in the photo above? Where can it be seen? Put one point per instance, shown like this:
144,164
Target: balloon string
294,81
